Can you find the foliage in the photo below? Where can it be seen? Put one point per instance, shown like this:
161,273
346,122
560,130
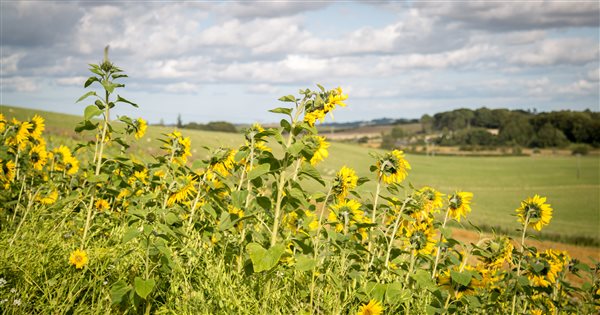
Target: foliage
553,129
222,126
94,230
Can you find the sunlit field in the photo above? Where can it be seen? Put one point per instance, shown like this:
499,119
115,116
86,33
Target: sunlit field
113,216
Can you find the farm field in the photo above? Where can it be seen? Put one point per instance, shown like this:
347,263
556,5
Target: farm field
498,183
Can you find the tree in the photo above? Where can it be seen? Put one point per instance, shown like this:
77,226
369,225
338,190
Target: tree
179,122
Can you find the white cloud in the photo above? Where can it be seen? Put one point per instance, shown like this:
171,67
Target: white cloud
71,81
19,84
262,89
10,63
182,87
557,51
502,16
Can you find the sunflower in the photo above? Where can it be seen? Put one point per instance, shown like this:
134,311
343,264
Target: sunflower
123,193
456,289
20,139
311,117
318,110
7,172
535,211
140,128
139,176
496,251
336,97
223,161
101,205
78,258
48,199
38,156
311,221
178,147
420,238
345,180
65,161
37,126
238,214
186,189
2,123
291,222
346,213
545,267
393,167
372,308
319,147
459,204
432,198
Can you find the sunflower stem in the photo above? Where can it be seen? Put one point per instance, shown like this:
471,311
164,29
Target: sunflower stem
521,251
437,252
396,225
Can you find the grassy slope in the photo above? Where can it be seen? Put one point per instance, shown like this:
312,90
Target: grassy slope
499,183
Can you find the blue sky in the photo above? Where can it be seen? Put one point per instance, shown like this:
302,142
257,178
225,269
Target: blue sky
231,60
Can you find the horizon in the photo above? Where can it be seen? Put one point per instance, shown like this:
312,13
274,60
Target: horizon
231,61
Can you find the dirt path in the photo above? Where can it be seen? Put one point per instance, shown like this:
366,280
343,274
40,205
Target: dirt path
585,254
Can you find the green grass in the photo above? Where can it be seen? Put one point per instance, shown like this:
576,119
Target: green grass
498,183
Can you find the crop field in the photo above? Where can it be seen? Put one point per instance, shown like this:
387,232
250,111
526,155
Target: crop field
498,183
112,216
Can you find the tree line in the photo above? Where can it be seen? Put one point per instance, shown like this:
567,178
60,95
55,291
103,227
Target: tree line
514,127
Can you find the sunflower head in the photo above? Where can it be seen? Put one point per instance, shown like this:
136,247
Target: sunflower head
78,258
432,199
495,252
140,128
459,204
37,126
345,180
319,146
372,308
535,212
392,167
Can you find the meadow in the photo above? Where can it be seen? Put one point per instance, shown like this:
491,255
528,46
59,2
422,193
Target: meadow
498,183
120,218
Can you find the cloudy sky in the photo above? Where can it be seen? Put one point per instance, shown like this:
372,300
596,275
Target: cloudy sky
231,60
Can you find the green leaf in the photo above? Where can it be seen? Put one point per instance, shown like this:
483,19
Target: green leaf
423,279
376,290
143,287
295,148
462,278
263,259
395,293
108,86
86,95
312,172
264,202
239,198
288,98
118,291
305,263
131,234
120,99
286,125
89,81
171,218
85,125
91,112
282,110
259,171
101,178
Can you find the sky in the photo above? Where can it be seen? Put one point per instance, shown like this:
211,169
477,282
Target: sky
232,60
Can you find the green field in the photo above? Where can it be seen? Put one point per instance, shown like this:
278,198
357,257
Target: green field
498,183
